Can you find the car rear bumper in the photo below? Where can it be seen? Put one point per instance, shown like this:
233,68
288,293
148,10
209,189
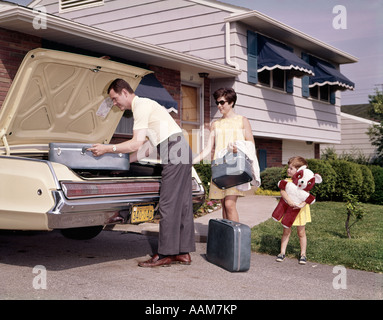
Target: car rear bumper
101,211
91,212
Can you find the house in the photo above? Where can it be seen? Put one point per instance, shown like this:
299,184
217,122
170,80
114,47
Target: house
288,83
354,137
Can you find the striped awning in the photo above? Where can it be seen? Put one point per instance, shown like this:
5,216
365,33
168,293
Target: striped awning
273,54
325,73
151,88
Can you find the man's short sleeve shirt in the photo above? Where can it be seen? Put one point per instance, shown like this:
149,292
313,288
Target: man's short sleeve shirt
150,115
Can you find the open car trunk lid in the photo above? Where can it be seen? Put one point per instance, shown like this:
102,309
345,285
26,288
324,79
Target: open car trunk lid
62,97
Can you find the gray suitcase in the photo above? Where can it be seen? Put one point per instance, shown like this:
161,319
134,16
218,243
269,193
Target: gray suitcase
229,244
231,170
76,156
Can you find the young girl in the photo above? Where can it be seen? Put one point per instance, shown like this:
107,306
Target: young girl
302,218
223,133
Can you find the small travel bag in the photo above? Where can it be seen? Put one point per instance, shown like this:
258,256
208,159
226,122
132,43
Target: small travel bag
229,244
231,170
76,156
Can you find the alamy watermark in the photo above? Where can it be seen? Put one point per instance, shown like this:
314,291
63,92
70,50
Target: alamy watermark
340,20
340,280
40,280
40,19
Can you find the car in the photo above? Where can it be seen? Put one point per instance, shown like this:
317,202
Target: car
61,97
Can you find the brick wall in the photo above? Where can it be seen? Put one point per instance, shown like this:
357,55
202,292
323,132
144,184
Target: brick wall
171,81
13,47
273,149
206,102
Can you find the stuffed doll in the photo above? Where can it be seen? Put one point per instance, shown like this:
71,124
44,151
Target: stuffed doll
298,191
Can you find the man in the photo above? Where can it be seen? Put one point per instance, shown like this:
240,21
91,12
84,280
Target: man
176,237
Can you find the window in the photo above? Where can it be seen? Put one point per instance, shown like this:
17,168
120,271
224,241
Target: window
273,79
276,79
264,77
314,92
71,5
279,79
323,93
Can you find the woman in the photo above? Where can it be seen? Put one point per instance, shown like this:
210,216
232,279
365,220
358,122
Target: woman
224,132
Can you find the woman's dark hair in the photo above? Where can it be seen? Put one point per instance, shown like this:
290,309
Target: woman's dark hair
118,84
229,94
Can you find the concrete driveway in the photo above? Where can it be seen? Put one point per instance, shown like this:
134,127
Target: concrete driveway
40,265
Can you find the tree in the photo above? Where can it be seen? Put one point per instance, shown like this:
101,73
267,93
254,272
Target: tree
376,104
353,208
375,132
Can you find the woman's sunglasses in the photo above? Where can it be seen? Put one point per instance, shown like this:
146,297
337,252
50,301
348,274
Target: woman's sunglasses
221,102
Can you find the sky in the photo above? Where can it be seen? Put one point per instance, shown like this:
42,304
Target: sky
361,34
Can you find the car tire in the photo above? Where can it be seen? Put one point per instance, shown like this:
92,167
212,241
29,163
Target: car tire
83,233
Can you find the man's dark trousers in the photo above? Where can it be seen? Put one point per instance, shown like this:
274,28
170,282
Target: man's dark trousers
176,207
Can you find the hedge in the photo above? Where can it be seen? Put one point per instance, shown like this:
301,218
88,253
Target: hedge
368,184
377,196
340,177
270,177
349,179
324,190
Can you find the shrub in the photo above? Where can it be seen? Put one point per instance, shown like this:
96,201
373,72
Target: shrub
270,177
355,209
204,172
324,190
340,177
329,154
377,196
368,184
349,179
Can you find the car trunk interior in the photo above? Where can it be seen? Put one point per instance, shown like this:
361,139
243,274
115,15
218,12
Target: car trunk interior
136,169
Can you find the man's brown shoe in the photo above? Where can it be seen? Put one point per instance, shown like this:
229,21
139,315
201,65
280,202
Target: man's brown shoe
182,258
155,261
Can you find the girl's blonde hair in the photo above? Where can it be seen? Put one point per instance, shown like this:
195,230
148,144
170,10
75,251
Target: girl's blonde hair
297,162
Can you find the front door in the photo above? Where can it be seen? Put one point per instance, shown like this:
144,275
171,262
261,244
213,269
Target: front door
191,115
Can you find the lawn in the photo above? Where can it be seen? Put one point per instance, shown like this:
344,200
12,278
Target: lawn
327,240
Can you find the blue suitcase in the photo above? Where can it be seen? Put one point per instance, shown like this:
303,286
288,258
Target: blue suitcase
229,245
231,170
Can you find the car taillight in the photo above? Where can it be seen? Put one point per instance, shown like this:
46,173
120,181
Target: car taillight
195,185
74,190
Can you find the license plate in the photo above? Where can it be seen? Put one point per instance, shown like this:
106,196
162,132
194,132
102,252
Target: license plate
142,213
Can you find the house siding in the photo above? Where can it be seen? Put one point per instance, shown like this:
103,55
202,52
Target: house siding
174,24
354,138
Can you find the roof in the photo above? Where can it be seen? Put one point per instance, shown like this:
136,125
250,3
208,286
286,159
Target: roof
359,110
18,18
278,30
359,119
